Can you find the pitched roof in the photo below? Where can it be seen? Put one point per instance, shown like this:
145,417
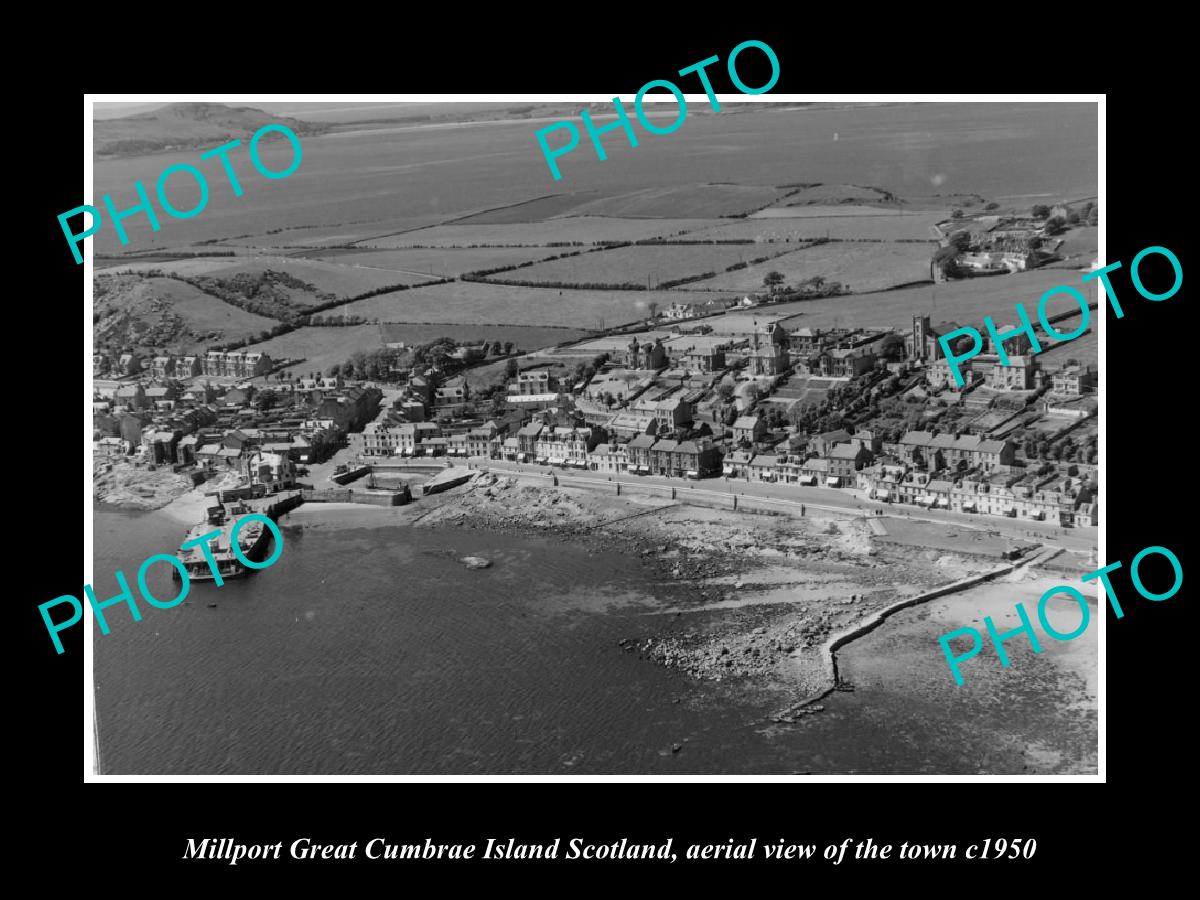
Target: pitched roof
918,438
844,451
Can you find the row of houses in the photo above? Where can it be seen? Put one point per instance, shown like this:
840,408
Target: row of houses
1063,501
232,363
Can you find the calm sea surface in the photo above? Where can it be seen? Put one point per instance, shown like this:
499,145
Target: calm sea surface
372,650
410,177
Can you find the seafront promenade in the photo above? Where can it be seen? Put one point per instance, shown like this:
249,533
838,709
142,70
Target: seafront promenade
788,498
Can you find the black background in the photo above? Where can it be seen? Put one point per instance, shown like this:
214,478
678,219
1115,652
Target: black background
126,829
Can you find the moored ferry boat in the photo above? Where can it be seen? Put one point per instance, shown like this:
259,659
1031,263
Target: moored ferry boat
222,518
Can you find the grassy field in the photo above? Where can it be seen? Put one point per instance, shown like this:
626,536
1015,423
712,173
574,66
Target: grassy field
965,302
638,264
472,302
525,337
438,262
341,280
859,267
844,210
320,347
1085,348
1079,247
834,193
881,225
328,235
697,200
165,312
586,229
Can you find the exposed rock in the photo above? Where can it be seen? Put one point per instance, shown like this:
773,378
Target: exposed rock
475,562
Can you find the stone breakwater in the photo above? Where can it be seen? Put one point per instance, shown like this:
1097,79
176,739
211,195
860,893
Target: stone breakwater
751,598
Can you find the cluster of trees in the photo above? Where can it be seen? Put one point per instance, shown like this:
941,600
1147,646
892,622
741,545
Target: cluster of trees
569,285
1038,446
675,282
377,364
585,371
262,293
1055,225
1087,213
482,274
658,241
375,292
266,335
329,321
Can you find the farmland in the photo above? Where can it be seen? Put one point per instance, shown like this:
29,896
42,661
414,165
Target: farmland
876,225
859,267
1078,248
836,193
477,303
959,301
640,265
583,229
377,208
435,263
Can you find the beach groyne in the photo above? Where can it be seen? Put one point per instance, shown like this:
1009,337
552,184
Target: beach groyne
828,650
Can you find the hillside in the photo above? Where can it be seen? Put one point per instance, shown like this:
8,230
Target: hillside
153,314
186,126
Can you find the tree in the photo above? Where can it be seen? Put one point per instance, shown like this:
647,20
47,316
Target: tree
961,241
956,214
265,399
508,347
652,306
891,347
992,205
771,279
725,390
511,368
962,345
608,399
1055,225
1040,211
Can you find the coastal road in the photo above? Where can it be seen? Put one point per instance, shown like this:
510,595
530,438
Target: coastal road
844,500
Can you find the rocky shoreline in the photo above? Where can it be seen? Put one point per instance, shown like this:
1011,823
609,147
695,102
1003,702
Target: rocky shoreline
745,597
126,486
